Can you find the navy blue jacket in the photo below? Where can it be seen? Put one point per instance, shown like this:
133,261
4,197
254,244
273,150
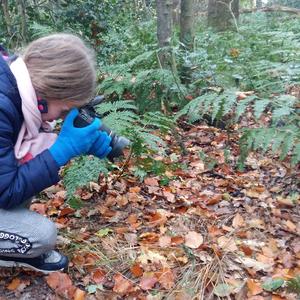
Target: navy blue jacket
18,182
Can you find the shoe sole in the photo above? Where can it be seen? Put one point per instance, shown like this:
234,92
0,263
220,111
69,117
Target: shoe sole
11,264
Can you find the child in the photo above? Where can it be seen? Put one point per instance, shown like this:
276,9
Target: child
54,77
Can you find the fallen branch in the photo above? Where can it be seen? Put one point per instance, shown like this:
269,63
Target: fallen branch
275,8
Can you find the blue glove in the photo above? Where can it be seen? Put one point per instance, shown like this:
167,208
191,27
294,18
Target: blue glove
101,146
73,141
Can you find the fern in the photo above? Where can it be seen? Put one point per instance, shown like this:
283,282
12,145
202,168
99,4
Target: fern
294,284
282,137
122,118
83,170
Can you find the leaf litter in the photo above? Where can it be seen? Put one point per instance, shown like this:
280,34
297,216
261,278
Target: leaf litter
211,232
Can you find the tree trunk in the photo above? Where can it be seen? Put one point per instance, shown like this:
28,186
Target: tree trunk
187,24
176,11
164,28
223,14
258,3
7,17
23,25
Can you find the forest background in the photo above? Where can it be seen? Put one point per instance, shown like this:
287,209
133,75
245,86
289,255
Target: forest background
205,204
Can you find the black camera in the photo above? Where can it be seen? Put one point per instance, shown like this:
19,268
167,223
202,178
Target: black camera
86,116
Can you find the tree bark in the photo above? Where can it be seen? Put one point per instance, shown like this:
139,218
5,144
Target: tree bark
176,11
187,24
164,28
223,14
7,18
23,25
258,3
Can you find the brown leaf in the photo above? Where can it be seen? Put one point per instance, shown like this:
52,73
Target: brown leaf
14,284
166,278
254,287
214,199
61,284
157,219
238,221
169,196
98,276
40,208
193,240
177,240
79,294
149,237
246,249
227,244
151,181
164,241
135,189
18,284
136,270
122,286
66,211
148,281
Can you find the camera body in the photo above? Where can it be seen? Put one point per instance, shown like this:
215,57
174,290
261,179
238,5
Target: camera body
86,116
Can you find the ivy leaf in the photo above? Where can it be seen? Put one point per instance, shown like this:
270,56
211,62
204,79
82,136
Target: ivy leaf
271,285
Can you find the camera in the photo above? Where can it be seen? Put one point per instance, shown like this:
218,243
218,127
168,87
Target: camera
86,116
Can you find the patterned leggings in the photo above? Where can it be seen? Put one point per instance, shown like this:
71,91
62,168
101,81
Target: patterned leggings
24,233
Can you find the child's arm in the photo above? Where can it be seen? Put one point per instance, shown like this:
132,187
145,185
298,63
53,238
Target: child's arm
20,182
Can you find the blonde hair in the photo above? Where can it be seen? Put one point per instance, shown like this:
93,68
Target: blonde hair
61,67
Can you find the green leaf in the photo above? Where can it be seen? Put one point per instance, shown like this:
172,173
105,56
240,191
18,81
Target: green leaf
271,284
92,288
103,232
223,290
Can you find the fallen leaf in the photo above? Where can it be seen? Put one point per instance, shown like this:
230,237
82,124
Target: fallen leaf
136,270
98,276
252,263
177,240
61,284
271,284
40,208
193,240
164,241
166,278
223,290
227,244
66,211
14,284
122,285
148,281
238,221
151,181
79,294
254,287
290,226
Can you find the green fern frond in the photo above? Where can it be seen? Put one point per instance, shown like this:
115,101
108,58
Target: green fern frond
83,170
39,30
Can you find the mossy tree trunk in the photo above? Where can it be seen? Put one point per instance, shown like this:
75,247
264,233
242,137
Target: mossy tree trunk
187,24
164,28
223,14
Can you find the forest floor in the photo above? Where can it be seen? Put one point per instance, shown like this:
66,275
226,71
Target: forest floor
199,228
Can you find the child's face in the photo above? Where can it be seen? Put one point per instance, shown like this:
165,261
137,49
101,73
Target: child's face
58,110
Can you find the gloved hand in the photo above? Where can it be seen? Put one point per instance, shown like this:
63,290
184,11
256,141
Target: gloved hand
101,146
73,141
